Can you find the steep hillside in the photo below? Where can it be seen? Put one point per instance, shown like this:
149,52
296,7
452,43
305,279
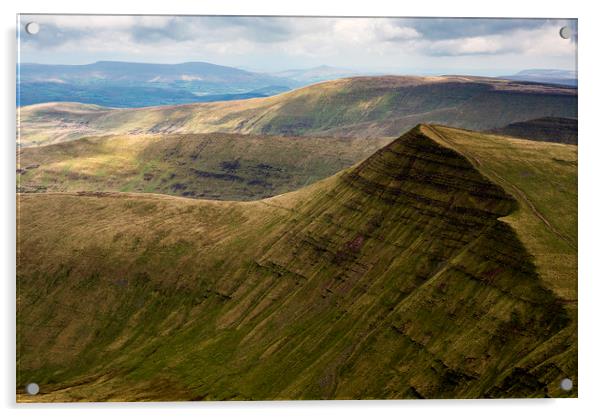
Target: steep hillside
215,166
409,275
351,107
549,129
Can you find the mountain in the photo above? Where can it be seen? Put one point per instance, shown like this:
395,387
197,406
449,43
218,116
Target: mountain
350,107
316,74
549,76
129,84
442,266
130,73
550,129
217,166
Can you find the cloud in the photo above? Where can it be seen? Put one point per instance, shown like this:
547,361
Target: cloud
59,30
280,42
360,30
477,45
459,28
541,39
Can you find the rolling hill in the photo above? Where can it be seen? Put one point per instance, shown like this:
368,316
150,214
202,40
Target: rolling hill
444,265
220,166
352,107
549,129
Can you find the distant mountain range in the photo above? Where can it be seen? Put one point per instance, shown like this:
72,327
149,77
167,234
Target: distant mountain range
317,74
128,84
549,76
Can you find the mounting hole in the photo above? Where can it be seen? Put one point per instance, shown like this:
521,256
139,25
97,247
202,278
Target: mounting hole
32,28
565,32
32,388
566,384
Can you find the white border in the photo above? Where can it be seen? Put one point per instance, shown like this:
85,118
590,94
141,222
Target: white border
590,176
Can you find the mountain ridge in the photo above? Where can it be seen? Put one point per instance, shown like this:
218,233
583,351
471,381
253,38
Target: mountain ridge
400,277
358,106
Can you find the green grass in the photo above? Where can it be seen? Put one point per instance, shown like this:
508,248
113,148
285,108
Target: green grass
407,275
353,107
211,166
543,178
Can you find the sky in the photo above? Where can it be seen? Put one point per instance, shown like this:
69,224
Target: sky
270,44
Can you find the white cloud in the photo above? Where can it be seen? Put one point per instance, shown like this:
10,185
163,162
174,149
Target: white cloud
280,43
357,30
468,46
540,41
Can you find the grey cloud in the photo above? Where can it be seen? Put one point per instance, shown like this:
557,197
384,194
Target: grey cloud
280,29
263,29
174,30
215,38
178,29
456,28
51,36
254,29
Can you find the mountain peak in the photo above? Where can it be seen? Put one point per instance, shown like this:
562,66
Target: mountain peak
421,165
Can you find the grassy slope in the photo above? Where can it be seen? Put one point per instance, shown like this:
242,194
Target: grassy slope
543,178
392,279
361,106
211,166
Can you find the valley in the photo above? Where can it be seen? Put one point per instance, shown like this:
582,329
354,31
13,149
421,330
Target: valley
216,166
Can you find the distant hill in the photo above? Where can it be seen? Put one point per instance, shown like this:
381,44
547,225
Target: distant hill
549,129
550,76
442,266
128,84
351,107
316,74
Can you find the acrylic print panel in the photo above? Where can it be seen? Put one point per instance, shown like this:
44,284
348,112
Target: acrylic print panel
269,208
